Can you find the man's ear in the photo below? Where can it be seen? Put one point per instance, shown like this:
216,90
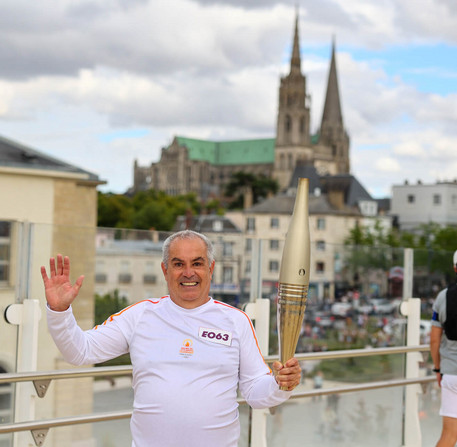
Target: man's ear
164,270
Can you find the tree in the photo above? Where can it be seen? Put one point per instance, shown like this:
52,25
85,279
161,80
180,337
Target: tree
260,185
107,305
114,210
145,210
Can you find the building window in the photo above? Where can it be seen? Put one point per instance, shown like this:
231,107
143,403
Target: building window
149,278
273,266
274,222
227,275
411,198
274,244
321,223
288,124
227,248
217,225
124,278
5,251
101,278
436,199
320,245
320,267
248,266
248,246
250,224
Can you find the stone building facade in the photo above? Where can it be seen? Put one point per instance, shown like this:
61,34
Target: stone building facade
205,167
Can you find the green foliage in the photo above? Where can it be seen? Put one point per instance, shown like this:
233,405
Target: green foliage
145,210
114,210
107,305
260,185
433,246
362,369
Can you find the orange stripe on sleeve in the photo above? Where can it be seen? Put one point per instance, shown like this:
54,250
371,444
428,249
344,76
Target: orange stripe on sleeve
250,324
111,317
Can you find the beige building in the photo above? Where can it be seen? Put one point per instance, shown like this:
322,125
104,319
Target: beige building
46,207
132,267
227,239
336,205
205,167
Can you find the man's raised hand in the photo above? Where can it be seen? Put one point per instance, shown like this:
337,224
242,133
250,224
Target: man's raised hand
59,291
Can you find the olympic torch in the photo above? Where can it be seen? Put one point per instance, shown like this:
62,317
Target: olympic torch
294,275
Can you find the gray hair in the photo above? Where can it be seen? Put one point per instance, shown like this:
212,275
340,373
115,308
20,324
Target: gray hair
187,234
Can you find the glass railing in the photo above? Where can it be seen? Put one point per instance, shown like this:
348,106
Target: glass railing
352,304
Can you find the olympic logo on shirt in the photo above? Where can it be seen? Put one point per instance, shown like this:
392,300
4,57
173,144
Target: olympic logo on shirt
186,349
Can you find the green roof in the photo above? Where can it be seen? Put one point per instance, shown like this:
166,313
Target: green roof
230,152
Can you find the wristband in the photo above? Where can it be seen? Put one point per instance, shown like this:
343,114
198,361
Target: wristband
436,370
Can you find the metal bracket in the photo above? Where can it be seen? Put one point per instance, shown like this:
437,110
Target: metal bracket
41,386
39,436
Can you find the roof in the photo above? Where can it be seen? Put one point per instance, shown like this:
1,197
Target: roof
206,223
13,154
234,152
230,152
308,171
353,189
284,204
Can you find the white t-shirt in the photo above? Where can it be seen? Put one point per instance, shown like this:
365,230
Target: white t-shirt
187,366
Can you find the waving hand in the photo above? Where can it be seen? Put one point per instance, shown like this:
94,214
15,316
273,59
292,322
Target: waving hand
59,291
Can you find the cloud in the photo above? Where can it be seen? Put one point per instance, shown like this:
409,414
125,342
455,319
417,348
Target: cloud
73,71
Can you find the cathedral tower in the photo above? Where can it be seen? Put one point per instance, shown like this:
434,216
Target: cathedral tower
293,125
332,132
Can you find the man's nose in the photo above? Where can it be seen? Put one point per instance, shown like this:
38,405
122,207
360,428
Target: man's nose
188,270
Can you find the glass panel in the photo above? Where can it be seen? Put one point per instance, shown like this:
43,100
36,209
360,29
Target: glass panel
354,278
9,293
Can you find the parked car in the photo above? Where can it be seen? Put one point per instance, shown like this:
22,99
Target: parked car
364,308
323,319
341,309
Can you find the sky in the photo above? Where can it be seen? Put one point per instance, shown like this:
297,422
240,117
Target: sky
100,84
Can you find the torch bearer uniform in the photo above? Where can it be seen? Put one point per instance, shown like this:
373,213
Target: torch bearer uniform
187,367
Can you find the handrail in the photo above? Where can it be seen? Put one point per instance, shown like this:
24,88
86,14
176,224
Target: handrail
42,379
85,419
127,369
98,371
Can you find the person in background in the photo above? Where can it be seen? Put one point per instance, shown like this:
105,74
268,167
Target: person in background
190,354
443,349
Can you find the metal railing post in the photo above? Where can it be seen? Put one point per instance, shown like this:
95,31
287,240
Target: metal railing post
411,308
27,316
259,311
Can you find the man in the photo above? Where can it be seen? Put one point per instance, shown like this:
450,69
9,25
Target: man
189,352
443,349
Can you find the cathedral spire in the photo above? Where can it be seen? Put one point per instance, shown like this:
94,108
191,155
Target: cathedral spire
332,132
332,116
295,62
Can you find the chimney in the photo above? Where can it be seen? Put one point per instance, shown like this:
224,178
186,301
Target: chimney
336,198
248,197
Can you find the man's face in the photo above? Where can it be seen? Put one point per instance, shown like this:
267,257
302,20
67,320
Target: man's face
188,273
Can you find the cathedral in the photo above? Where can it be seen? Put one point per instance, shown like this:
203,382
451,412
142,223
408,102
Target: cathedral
205,167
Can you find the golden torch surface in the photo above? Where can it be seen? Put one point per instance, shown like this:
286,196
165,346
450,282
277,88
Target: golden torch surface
294,275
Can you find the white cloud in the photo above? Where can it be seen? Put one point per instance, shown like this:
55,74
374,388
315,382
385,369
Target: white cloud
75,70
